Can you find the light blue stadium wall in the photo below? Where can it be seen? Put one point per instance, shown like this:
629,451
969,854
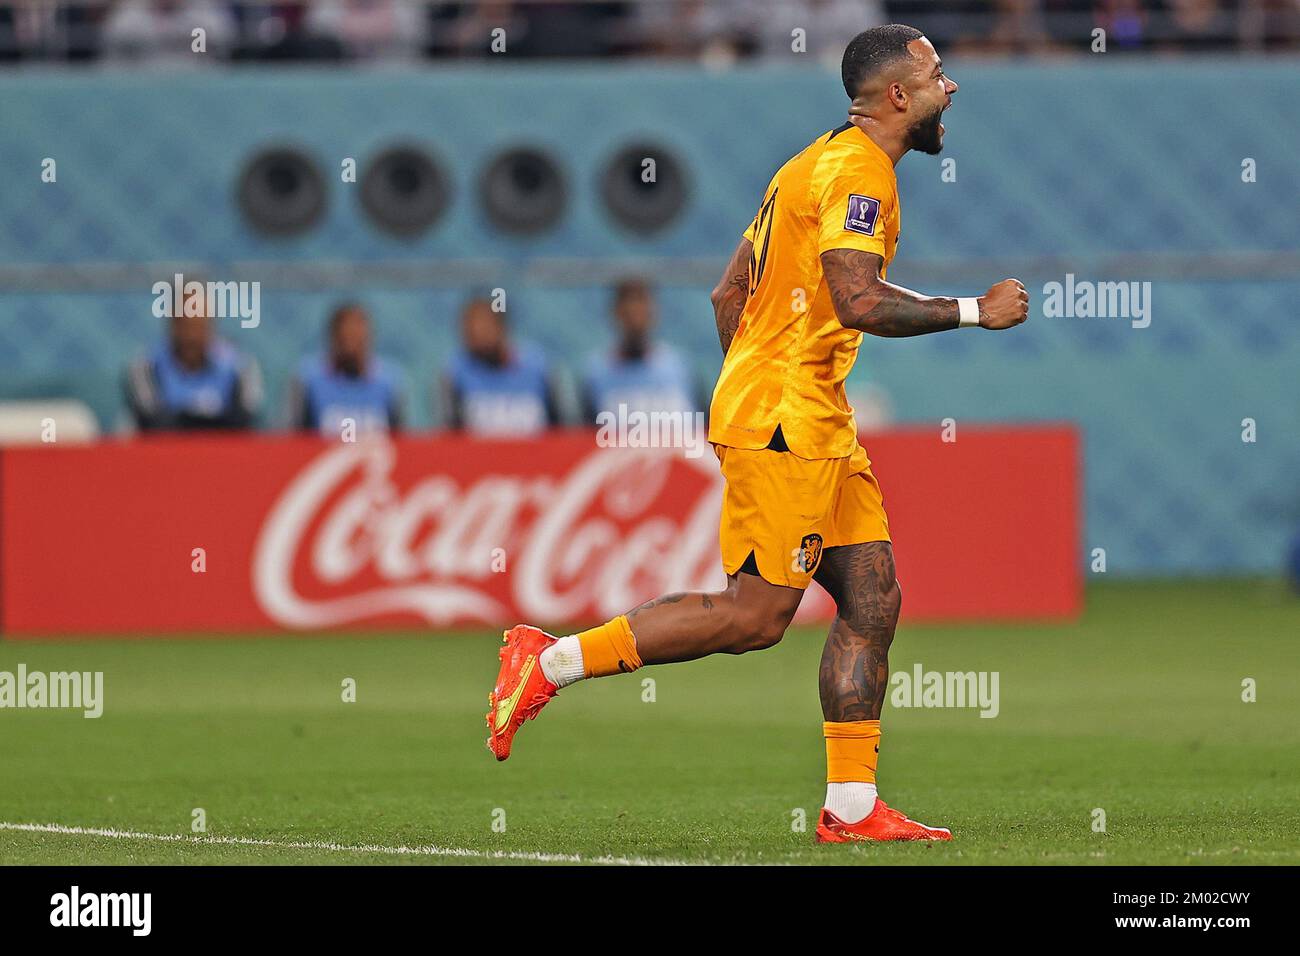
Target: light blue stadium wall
1120,170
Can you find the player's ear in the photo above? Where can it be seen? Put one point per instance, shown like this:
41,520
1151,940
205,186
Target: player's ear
898,95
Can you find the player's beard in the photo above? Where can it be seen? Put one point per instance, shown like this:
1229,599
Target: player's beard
924,136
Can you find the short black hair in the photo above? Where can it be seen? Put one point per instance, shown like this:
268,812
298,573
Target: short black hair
872,49
343,309
632,287
485,298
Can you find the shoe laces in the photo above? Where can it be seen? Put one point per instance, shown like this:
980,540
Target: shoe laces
534,705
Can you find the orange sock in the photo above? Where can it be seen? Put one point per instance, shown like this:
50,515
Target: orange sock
609,649
851,750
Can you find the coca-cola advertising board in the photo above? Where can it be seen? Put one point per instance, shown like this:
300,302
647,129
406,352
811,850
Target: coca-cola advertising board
202,534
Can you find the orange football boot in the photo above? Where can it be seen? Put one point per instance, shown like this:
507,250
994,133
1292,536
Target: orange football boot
521,689
882,823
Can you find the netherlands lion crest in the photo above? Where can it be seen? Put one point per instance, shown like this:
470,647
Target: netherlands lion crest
810,552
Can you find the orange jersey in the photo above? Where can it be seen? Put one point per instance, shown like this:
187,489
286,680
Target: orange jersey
790,355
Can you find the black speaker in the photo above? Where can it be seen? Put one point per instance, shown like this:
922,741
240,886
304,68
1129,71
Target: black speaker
523,191
281,191
404,191
641,195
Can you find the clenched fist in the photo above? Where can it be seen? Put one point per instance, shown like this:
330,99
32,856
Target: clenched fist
1005,305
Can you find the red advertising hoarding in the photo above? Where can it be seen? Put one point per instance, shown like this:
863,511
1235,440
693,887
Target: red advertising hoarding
299,534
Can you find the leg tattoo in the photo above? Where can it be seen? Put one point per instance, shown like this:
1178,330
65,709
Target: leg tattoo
855,663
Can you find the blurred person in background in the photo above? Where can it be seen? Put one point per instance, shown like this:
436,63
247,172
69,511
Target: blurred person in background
346,382
370,29
1018,27
1272,24
715,31
1205,25
493,385
538,28
825,24
278,32
56,31
161,31
1125,23
465,28
586,28
192,379
639,372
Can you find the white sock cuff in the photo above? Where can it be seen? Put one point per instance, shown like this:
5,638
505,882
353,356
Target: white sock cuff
562,662
851,802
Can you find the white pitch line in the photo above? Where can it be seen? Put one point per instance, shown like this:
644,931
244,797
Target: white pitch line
441,851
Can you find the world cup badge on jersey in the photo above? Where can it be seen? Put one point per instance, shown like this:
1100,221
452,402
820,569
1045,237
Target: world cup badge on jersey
862,215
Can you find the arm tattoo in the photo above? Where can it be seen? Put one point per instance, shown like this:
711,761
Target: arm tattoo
731,294
868,303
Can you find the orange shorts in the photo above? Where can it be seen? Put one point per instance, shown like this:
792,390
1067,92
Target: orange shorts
784,510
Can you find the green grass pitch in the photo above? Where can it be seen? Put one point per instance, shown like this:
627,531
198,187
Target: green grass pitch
1135,710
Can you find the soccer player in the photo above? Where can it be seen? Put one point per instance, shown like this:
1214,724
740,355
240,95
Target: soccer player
801,504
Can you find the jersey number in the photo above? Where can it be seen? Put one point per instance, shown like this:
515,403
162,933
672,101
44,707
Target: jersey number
758,263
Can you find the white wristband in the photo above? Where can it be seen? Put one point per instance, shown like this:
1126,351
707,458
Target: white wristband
968,312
